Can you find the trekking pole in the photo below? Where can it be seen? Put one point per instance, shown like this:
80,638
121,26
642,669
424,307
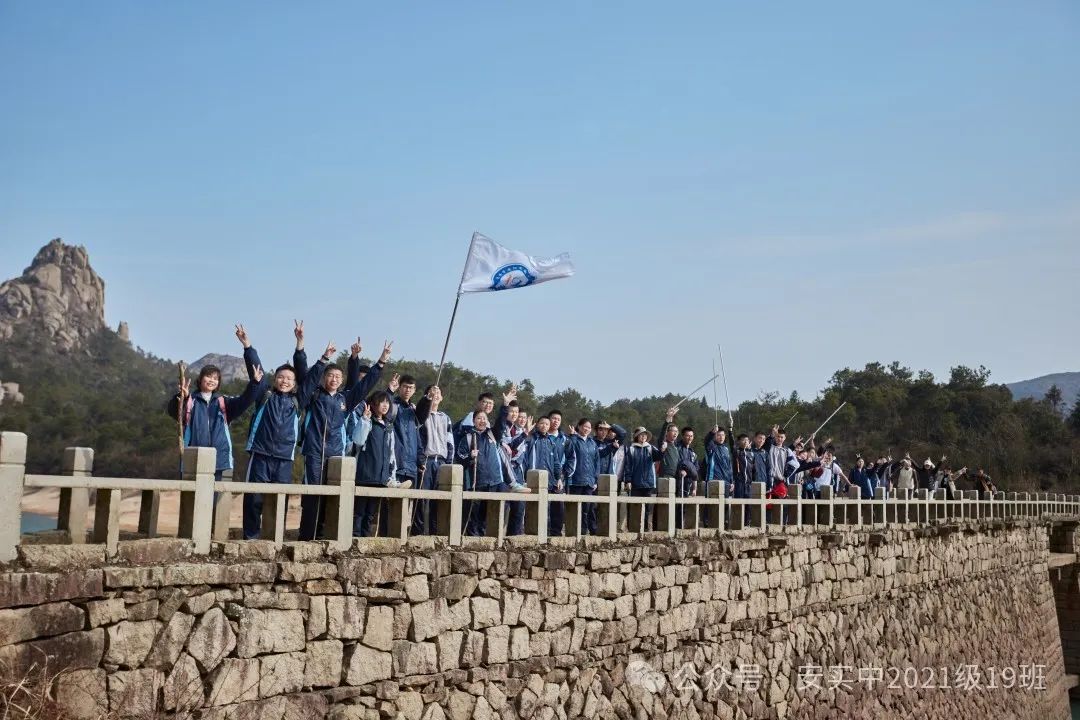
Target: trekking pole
814,434
727,399
785,425
691,393
715,402
180,406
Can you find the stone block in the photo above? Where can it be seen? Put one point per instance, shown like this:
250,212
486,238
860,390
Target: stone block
72,651
21,624
61,557
154,551
449,647
269,631
281,674
184,687
35,588
454,587
130,643
345,617
171,642
235,680
379,629
211,640
486,612
414,658
82,694
556,615
417,588
497,645
322,667
519,643
367,665
135,693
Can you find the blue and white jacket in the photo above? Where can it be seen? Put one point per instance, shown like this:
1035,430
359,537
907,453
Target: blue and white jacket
639,469
324,433
375,461
275,426
542,452
582,461
486,470
206,422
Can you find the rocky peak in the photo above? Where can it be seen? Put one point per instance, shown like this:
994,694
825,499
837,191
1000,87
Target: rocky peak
59,294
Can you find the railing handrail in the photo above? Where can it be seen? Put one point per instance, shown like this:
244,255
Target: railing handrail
708,511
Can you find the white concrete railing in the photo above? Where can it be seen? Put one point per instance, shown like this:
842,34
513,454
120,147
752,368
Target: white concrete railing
203,521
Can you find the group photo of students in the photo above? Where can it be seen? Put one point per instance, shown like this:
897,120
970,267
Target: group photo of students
401,439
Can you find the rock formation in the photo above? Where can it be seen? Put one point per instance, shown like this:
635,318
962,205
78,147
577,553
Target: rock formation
59,294
232,367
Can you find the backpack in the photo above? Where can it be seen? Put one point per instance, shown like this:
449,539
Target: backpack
352,422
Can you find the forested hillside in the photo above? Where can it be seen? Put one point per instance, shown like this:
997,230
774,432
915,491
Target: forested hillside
111,397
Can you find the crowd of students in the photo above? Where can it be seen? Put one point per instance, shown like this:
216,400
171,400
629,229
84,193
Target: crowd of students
325,411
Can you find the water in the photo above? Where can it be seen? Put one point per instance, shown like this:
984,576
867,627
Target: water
31,522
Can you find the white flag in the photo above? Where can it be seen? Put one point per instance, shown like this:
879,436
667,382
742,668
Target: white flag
492,267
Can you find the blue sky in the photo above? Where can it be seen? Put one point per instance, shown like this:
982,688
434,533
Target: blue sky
813,185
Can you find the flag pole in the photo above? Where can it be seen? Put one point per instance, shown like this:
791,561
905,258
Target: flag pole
453,314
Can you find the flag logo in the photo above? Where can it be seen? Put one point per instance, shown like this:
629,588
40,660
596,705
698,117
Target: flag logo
514,275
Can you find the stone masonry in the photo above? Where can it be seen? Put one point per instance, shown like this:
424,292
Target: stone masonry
651,628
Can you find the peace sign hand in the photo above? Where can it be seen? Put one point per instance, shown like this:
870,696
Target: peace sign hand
356,348
388,345
330,351
242,336
395,380
298,331
257,373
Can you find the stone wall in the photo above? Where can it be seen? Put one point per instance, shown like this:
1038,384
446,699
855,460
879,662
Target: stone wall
681,629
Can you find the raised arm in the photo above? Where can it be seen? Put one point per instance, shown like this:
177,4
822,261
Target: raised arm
306,388
299,357
257,385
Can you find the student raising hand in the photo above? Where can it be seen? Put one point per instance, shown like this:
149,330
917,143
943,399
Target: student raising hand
510,395
298,331
356,348
388,345
242,336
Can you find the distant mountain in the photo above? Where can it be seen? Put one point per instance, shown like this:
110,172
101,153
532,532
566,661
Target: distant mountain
232,367
1067,382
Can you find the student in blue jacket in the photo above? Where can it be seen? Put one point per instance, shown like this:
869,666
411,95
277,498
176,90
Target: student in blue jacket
580,468
376,464
480,452
207,413
323,434
274,433
406,419
639,472
542,453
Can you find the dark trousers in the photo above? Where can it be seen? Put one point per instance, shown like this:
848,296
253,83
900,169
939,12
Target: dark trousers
364,511
262,469
588,510
647,510
313,507
476,522
515,521
425,512
556,513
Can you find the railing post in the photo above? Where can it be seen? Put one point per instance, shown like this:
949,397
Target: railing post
536,513
853,511
200,464
75,502
880,514
448,515
341,472
939,509
757,510
825,511
607,511
149,507
107,519
665,519
223,509
972,504
714,511
12,473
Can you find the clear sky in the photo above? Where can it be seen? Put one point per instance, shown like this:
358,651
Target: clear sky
815,185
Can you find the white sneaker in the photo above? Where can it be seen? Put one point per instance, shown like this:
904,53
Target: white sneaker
399,484
519,488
